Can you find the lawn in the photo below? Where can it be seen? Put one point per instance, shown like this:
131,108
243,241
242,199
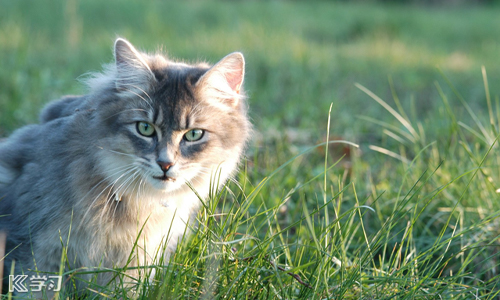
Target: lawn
411,212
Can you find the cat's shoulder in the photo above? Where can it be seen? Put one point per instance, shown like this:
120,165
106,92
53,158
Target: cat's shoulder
64,107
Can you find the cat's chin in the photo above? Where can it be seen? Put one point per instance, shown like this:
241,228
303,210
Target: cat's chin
166,184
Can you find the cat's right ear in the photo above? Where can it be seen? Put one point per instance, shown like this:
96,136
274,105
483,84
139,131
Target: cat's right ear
223,82
133,73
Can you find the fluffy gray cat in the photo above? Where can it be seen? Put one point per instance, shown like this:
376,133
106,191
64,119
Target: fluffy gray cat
107,169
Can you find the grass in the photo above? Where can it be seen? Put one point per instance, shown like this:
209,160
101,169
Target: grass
413,213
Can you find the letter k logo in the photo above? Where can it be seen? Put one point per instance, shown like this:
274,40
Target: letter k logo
16,283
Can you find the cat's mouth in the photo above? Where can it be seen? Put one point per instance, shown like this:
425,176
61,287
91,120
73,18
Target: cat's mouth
164,178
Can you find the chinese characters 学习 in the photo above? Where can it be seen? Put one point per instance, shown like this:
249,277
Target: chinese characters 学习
36,283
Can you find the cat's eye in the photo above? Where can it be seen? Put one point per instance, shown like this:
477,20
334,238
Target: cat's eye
145,129
194,135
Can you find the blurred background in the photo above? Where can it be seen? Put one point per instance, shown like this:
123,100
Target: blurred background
301,57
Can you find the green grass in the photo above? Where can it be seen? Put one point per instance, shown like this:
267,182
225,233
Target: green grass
413,213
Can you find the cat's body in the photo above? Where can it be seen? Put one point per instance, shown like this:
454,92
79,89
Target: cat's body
100,169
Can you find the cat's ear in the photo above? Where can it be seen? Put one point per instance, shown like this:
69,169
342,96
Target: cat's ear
132,69
224,80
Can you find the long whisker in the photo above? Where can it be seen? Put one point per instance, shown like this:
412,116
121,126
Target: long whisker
136,188
108,188
104,209
130,180
115,170
118,191
120,169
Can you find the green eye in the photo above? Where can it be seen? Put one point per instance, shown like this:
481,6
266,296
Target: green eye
145,129
194,135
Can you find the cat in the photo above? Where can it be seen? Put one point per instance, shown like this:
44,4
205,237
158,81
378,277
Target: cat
121,164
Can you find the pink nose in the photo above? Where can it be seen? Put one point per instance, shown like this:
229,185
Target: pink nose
165,166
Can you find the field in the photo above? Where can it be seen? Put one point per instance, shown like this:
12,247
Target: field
408,207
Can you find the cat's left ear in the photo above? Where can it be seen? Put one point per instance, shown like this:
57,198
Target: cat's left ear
224,80
132,70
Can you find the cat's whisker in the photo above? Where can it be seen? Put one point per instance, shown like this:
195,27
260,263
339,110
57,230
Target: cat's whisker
138,187
136,183
110,189
118,189
147,174
120,170
116,170
109,200
131,180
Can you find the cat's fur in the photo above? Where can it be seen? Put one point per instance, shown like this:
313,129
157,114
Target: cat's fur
85,175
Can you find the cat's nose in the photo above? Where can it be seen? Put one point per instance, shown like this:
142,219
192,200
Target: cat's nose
164,165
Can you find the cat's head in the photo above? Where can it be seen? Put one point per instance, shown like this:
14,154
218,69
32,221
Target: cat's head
165,123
